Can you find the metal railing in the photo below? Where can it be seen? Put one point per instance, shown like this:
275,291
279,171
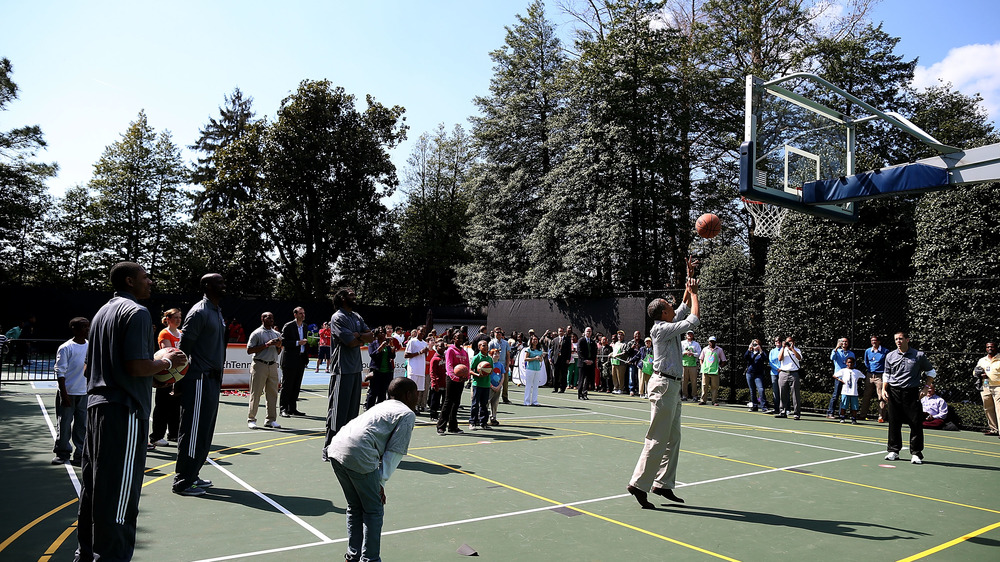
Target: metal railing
24,360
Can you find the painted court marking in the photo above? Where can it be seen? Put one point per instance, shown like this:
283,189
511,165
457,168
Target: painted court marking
52,430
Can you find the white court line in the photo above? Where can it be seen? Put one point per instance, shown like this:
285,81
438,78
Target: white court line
52,430
534,510
273,503
796,443
711,420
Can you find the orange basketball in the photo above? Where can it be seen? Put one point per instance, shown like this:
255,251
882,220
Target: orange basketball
462,371
708,225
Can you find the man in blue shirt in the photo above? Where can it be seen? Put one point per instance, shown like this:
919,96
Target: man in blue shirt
775,363
875,365
839,357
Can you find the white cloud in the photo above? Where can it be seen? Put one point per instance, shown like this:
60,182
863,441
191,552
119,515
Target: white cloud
971,69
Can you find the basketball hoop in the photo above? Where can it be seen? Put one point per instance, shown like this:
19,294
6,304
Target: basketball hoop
766,218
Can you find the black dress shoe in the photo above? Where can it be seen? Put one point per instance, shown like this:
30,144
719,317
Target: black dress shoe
298,413
640,497
667,493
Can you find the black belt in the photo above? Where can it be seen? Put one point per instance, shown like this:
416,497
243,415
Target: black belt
666,375
265,362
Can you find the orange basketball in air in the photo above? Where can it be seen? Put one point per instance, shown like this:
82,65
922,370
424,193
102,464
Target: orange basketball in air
708,225
462,371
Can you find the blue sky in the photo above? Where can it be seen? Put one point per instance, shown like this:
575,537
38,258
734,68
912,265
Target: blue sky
86,69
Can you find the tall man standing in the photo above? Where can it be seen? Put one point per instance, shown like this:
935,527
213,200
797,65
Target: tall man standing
293,362
563,355
875,363
587,351
119,368
203,339
265,345
344,391
692,350
905,369
789,362
987,373
656,469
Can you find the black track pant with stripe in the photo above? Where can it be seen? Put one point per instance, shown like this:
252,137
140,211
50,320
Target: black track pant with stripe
199,410
114,458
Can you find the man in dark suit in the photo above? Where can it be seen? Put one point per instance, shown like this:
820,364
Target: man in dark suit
587,351
564,353
293,362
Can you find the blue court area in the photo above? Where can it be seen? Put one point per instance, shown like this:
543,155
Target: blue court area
546,484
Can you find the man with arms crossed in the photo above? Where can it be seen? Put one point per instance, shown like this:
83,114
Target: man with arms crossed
657,467
119,368
344,391
905,369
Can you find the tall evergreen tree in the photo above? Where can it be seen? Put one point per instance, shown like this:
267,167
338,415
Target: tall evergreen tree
513,134
140,205
235,116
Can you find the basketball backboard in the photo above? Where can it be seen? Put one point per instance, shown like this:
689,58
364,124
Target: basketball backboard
799,153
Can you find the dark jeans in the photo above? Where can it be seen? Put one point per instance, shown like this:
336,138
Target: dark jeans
166,414
756,385
71,425
633,378
378,388
904,407
480,412
834,406
448,418
436,396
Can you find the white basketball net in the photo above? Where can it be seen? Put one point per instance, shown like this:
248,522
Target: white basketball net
766,218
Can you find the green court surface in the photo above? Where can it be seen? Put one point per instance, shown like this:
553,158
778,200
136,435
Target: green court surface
547,484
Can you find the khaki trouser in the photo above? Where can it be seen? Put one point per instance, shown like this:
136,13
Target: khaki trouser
690,378
619,374
658,461
707,380
263,379
991,404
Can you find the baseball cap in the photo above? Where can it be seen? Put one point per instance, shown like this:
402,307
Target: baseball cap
711,338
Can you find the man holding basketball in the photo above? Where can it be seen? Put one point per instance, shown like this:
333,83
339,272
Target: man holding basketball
119,369
656,469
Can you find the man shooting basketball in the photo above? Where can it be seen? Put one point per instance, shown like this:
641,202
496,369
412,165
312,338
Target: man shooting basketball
657,466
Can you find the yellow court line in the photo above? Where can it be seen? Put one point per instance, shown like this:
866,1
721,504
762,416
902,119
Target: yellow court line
819,476
583,511
58,542
950,543
38,520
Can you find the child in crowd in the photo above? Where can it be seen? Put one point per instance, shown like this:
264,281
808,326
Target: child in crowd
479,415
364,454
849,378
439,379
71,402
497,378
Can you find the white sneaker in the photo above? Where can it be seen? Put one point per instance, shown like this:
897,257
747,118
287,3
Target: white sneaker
892,456
161,443
272,425
252,425
917,458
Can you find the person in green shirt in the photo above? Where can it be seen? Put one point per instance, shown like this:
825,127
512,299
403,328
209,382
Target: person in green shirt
479,416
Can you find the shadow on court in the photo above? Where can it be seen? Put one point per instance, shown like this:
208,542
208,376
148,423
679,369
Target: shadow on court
826,526
432,469
296,504
962,465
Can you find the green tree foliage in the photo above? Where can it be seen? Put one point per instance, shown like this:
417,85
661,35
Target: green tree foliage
620,174
430,242
513,134
956,239
140,208
326,170
233,234
235,117
723,277
23,196
74,254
